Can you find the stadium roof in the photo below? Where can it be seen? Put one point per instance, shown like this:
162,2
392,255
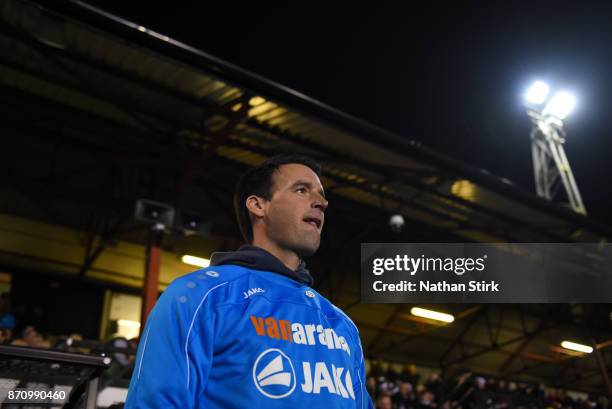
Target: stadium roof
98,112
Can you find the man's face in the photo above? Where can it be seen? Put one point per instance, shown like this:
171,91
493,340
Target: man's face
405,388
294,215
385,403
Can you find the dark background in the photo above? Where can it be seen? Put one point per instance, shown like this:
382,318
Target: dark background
57,305
450,76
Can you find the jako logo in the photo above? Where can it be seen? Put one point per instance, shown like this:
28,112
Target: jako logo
253,291
275,377
273,374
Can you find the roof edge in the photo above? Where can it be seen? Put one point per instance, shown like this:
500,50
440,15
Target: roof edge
82,12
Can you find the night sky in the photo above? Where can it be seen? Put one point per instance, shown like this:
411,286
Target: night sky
451,77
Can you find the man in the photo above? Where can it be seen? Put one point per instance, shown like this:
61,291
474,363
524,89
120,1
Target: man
384,402
404,398
249,331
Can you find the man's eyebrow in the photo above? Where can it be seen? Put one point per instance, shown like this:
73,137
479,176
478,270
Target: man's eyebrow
308,185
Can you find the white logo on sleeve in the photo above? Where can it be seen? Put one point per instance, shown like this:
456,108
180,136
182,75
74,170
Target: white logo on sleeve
273,374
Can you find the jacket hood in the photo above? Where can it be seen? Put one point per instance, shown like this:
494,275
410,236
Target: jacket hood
256,258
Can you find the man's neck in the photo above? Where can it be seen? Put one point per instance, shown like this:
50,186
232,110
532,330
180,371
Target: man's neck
287,257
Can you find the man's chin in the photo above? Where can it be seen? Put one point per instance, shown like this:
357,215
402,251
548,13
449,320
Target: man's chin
305,251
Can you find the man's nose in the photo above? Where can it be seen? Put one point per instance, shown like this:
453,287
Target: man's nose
320,203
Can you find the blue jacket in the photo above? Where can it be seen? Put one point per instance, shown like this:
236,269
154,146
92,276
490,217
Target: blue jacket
231,336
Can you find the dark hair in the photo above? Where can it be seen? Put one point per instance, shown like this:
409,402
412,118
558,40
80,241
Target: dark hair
258,181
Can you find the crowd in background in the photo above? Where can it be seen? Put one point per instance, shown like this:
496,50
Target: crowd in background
407,389
12,333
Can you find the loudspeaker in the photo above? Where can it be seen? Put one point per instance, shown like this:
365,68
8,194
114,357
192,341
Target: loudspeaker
192,223
149,211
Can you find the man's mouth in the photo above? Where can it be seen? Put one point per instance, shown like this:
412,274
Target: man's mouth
313,221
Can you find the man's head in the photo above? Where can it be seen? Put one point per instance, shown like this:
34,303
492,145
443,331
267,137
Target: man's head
405,388
282,201
384,402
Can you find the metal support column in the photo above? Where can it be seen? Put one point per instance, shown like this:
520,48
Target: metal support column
151,279
602,367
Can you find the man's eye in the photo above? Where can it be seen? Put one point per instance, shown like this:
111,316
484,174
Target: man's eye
301,189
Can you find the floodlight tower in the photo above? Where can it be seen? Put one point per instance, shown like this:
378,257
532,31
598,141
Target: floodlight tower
550,165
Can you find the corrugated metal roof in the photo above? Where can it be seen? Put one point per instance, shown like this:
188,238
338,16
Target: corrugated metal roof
115,78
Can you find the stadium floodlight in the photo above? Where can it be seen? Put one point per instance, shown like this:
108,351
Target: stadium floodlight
537,93
432,315
577,347
195,261
560,105
551,168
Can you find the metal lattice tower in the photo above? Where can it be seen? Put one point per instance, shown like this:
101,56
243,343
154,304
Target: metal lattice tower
550,165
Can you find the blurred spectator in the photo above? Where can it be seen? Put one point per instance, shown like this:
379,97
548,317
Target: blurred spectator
7,325
409,374
427,400
436,385
7,319
482,394
447,405
565,400
31,338
384,402
372,387
391,375
404,398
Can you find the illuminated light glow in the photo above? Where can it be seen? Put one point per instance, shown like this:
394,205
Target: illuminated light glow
128,323
577,347
560,105
195,261
464,189
537,93
141,28
433,315
255,101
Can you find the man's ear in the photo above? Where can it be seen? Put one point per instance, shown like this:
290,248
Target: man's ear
255,205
